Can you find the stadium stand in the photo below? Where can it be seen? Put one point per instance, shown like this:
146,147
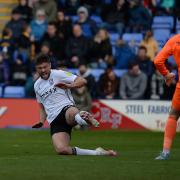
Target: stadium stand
162,26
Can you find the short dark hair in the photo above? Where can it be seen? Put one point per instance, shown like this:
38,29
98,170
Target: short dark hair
42,59
132,64
142,48
52,23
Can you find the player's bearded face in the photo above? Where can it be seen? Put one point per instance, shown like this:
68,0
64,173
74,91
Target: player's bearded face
44,70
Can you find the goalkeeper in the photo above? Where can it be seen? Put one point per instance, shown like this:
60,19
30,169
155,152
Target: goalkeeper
172,47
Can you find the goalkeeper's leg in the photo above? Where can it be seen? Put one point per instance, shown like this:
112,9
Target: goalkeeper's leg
171,124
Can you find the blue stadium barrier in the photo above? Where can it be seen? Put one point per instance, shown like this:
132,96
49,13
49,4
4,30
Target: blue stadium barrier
14,92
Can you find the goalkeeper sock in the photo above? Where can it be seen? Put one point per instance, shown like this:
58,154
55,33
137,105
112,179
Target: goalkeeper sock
169,134
79,151
79,120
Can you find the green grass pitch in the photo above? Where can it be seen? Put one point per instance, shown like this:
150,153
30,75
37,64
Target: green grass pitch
26,155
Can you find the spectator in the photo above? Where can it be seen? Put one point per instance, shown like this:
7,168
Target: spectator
139,17
25,44
46,50
63,25
101,50
15,24
39,25
88,25
71,6
4,70
49,7
167,6
108,84
84,72
92,5
151,44
20,72
133,83
56,43
82,98
24,10
145,64
123,55
116,18
7,44
150,5
76,47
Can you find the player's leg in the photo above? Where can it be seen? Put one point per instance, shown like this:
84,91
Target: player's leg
61,145
171,124
61,142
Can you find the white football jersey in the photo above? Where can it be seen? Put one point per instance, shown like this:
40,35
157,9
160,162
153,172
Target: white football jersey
54,98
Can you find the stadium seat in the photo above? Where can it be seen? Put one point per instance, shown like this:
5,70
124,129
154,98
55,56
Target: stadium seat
14,92
160,20
97,19
133,40
161,35
137,37
113,38
119,72
1,91
161,26
97,73
74,18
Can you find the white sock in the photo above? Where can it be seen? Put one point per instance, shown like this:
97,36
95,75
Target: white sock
79,120
80,151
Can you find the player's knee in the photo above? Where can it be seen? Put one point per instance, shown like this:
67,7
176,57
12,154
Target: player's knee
62,150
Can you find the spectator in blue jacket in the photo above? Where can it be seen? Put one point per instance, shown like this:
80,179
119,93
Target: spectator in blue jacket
88,25
123,55
39,25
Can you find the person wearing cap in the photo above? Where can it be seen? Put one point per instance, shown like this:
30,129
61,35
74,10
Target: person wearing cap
39,25
89,26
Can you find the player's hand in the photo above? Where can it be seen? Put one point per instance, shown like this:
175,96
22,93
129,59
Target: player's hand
169,78
64,85
37,125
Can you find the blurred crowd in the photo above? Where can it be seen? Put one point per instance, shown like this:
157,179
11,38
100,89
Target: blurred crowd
67,32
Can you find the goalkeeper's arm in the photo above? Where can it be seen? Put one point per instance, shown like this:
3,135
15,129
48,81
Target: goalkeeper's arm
43,116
